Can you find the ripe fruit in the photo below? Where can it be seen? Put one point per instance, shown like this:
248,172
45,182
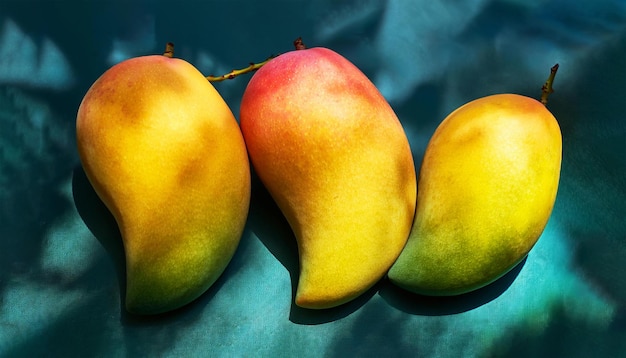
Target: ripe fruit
336,160
165,154
486,189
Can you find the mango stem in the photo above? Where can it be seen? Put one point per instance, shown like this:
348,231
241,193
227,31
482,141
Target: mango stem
234,73
298,44
169,50
546,89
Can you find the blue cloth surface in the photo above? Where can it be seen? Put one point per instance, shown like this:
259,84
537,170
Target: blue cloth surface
61,256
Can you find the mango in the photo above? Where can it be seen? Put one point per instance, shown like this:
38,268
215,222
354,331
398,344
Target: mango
335,158
486,189
166,156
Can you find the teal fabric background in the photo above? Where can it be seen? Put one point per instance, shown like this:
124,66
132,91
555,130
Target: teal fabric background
61,258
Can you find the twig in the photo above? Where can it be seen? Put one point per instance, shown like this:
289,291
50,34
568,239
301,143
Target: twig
546,89
234,73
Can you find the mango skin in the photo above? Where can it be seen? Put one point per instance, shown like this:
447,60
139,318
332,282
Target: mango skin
486,189
335,158
165,154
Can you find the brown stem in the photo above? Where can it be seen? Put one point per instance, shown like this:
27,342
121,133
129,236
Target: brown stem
299,44
234,73
169,50
546,89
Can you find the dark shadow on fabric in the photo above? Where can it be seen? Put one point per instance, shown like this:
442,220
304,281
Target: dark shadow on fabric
602,260
420,117
379,331
446,305
306,316
591,204
34,166
564,336
270,226
101,223
618,324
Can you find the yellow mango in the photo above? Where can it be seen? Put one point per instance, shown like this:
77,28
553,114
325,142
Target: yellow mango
165,154
486,188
